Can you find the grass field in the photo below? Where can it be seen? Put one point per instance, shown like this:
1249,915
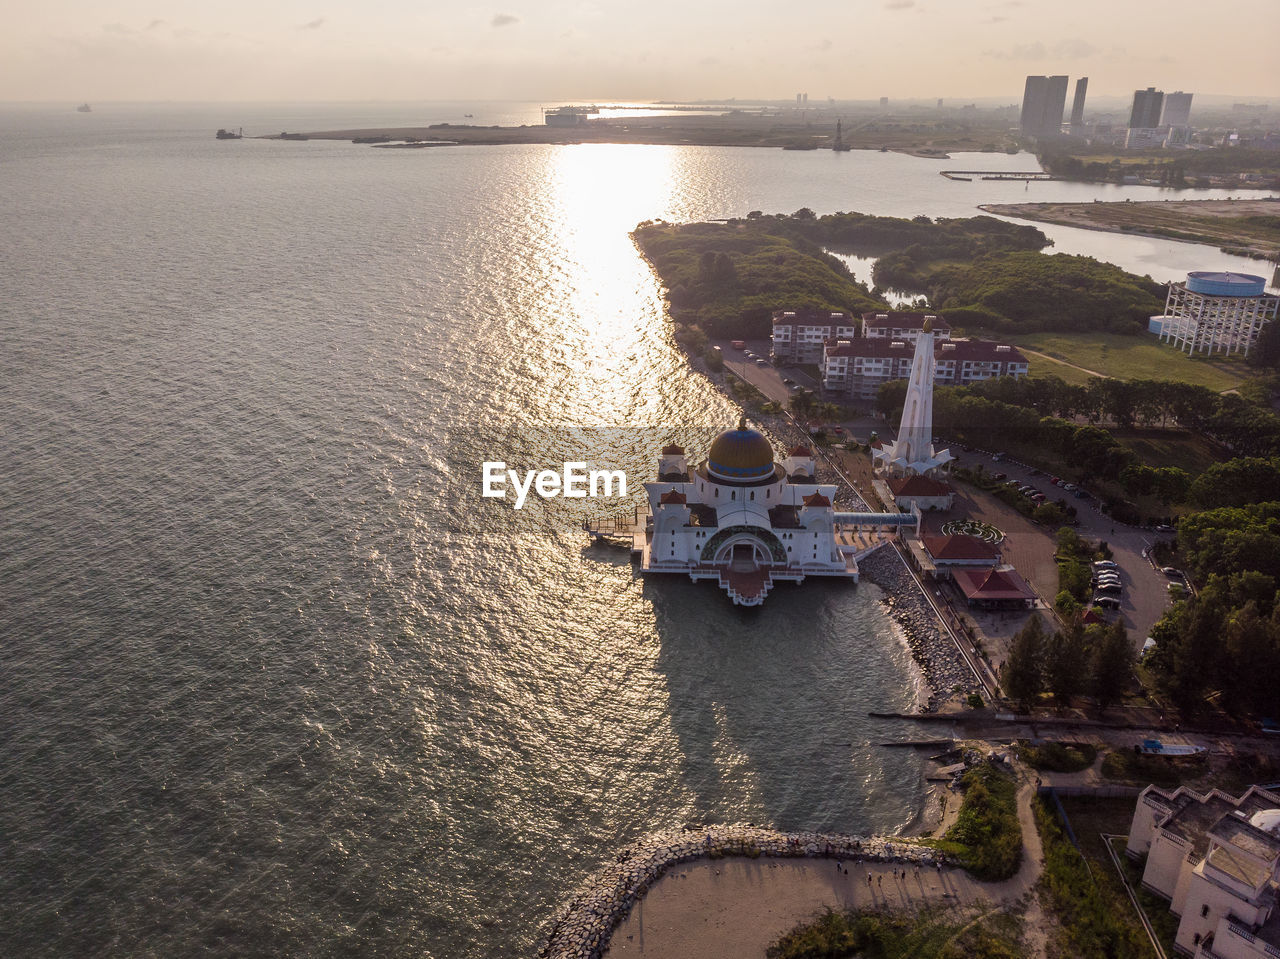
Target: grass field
1178,448
1044,366
1139,357
1090,818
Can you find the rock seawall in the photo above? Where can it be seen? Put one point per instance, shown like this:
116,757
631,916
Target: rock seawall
587,921
943,667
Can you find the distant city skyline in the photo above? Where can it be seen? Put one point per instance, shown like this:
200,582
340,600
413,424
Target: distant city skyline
104,50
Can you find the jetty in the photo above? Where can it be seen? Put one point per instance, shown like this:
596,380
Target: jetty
996,175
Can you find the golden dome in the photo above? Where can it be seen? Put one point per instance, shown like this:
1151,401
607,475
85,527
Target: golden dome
741,454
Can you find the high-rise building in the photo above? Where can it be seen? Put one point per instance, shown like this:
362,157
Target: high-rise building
1043,100
1146,109
1175,119
1077,105
1177,110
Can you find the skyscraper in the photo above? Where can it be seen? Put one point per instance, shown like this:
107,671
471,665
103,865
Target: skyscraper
1177,110
1146,109
1175,119
1043,100
1077,105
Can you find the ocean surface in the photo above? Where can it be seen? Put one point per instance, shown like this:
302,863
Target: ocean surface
274,679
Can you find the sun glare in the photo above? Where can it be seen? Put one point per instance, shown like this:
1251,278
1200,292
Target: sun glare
601,192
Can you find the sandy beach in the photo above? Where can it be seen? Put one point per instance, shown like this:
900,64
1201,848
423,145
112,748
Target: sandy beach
735,908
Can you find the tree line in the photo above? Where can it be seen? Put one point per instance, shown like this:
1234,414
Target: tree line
1094,660
1046,413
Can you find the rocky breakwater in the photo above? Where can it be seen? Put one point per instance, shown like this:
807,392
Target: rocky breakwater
931,646
586,923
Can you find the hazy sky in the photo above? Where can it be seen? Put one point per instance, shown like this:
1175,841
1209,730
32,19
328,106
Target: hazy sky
622,49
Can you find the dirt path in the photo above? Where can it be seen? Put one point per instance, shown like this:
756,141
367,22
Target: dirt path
735,908
1046,356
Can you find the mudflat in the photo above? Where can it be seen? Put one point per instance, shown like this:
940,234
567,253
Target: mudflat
1249,226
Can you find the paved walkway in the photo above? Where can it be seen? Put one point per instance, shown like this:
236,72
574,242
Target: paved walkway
736,908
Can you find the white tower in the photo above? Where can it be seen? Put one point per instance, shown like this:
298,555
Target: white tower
913,451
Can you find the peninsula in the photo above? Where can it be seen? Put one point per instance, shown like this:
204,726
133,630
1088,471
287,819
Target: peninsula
1244,227
929,137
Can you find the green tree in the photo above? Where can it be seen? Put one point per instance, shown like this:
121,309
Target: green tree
1064,663
1111,664
1021,674
1237,482
1252,650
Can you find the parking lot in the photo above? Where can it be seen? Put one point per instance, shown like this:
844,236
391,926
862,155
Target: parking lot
767,378
1144,594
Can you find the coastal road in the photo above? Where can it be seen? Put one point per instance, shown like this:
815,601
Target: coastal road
767,379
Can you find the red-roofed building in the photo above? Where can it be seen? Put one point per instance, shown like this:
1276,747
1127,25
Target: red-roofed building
922,491
859,367
672,449
893,325
798,335
994,588
673,496
960,550
816,500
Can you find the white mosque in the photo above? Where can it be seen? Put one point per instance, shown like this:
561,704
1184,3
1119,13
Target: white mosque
743,519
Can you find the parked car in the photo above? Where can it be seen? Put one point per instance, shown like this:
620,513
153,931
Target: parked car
1055,481
1001,477
997,457
1105,564
1108,587
761,361
1069,487
1165,528
1106,602
789,381
1173,573
1081,494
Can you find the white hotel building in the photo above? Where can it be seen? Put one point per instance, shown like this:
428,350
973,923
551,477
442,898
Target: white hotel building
1216,859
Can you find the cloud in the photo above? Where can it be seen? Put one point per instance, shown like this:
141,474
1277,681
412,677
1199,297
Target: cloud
154,24
1075,49
503,20
899,4
315,24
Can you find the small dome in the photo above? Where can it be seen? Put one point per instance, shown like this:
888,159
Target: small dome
740,454
1268,820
